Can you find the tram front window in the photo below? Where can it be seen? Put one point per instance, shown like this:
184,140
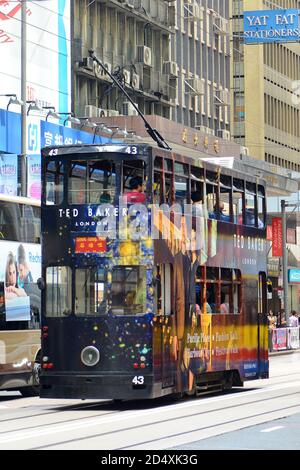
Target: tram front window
90,292
128,290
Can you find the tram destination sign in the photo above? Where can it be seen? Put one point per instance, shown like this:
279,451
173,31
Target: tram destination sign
263,26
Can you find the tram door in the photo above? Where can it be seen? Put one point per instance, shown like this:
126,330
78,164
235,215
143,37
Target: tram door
164,306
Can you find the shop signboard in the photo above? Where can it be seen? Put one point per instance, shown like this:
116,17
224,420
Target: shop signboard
277,236
269,26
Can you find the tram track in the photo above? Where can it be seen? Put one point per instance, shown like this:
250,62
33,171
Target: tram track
173,421
115,418
107,405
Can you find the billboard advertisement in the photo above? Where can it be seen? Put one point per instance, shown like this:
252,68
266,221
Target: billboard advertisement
48,51
262,26
8,174
20,267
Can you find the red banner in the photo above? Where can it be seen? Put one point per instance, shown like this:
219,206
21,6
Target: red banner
90,245
277,236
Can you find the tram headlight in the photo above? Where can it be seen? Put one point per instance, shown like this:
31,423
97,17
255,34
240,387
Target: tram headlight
90,356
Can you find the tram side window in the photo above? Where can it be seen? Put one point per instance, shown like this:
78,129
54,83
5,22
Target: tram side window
90,292
197,191
218,290
163,289
128,290
134,181
237,291
77,183
212,289
238,200
58,291
261,207
250,204
225,205
54,183
181,184
212,195
101,182
226,295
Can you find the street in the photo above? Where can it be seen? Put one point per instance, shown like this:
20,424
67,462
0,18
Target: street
257,412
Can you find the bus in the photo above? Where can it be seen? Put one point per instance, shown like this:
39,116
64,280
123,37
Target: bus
20,298
153,274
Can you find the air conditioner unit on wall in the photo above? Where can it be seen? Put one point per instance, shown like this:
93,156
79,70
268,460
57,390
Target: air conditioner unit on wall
170,68
144,55
135,81
128,109
100,73
111,113
126,75
191,10
87,63
91,111
223,134
195,86
221,25
244,151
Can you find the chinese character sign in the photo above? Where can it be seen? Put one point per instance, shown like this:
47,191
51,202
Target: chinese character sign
277,236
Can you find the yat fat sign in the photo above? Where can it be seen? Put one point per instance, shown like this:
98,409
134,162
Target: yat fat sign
263,26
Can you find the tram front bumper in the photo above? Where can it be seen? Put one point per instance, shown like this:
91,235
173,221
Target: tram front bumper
118,387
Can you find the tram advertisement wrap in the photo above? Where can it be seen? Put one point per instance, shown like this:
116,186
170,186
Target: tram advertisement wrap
20,267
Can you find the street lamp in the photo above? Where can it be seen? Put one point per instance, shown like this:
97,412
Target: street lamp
101,127
285,281
33,106
13,100
71,118
85,122
51,112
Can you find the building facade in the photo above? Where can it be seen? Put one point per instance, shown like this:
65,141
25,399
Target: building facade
201,49
265,118
132,39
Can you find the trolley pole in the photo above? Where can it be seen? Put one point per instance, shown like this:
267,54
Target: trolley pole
284,263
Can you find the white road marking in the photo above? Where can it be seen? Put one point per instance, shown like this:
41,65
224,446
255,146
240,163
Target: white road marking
20,435
274,428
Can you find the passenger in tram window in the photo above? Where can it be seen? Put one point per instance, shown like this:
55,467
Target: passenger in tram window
197,200
136,193
218,213
224,307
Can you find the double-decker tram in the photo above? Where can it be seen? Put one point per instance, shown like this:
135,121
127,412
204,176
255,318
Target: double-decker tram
20,267
154,270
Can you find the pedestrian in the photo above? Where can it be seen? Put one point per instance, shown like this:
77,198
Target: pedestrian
281,321
272,326
293,320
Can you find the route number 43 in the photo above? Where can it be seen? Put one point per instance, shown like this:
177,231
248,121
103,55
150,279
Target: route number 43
138,380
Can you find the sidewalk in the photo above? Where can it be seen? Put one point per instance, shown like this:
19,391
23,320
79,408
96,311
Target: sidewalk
283,352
